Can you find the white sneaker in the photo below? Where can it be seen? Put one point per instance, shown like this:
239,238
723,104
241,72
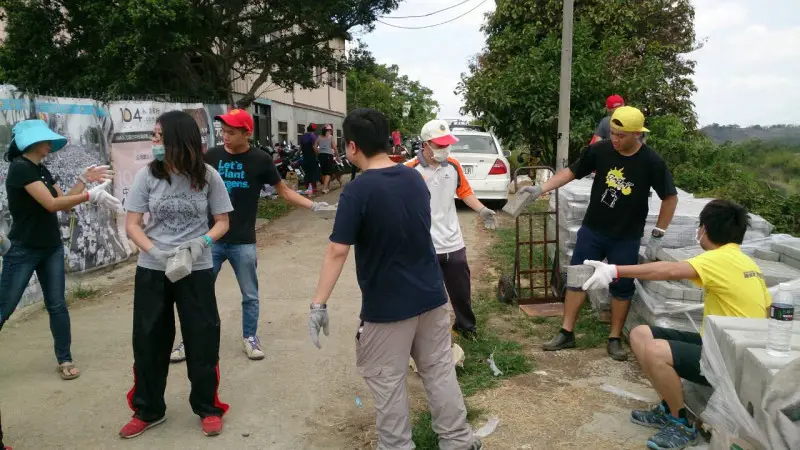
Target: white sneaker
252,346
178,354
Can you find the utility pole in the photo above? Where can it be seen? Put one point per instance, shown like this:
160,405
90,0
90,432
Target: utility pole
562,152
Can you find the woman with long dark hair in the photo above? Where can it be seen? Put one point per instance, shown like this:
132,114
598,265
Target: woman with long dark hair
34,242
180,192
308,147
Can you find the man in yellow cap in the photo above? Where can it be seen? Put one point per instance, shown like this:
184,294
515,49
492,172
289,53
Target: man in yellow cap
626,169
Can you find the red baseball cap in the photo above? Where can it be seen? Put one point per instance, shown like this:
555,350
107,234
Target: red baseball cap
238,118
614,101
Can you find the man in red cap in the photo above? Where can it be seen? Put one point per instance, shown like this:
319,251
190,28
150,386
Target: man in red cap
603,131
244,169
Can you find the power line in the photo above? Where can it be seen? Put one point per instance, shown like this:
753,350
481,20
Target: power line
426,15
434,25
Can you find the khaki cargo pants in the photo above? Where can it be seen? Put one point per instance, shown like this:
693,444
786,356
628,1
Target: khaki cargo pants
382,352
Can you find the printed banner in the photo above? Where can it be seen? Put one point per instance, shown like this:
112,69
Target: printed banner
215,137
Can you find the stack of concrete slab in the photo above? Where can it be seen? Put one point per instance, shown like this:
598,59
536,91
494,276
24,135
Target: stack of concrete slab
737,365
666,304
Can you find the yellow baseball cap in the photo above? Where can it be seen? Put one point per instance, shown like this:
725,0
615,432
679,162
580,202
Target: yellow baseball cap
628,118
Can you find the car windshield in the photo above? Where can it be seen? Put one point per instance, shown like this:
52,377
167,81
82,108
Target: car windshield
471,143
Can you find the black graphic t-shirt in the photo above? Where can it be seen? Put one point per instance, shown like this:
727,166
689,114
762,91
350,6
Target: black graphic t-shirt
32,224
244,175
619,201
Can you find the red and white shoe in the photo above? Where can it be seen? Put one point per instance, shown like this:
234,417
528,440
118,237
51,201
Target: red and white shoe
212,425
137,426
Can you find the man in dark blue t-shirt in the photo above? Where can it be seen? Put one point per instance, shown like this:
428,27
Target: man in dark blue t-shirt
386,215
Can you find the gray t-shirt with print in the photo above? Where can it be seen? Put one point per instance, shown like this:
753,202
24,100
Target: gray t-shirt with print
178,213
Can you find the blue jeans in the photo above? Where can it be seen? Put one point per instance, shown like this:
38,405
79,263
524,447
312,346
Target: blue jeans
18,266
244,260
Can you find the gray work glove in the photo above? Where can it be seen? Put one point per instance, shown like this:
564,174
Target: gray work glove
318,319
5,244
653,247
489,218
196,247
318,206
162,255
535,191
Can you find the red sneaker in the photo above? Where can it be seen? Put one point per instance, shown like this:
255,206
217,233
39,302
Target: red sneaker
212,425
137,426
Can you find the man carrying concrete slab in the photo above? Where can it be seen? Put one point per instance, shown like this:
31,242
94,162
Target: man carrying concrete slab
733,286
626,170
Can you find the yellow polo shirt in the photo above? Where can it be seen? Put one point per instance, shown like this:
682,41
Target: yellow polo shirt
733,284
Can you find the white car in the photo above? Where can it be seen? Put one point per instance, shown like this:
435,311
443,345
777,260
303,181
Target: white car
484,162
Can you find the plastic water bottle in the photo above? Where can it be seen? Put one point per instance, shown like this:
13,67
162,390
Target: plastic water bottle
781,315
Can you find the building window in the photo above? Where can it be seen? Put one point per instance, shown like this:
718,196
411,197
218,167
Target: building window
283,132
340,82
301,130
318,74
339,140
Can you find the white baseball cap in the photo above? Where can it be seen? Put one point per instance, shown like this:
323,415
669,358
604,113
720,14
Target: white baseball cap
439,132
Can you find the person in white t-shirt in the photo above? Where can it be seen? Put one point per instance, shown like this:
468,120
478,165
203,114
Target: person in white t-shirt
445,179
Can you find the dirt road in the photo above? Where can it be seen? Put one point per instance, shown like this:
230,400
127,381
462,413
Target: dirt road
273,402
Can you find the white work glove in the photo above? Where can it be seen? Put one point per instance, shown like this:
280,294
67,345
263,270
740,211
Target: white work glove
96,174
318,319
604,274
99,196
5,244
196,247
535,191
653,247
489,218
318,206
162,255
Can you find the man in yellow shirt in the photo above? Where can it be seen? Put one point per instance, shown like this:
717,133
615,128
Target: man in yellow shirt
733,285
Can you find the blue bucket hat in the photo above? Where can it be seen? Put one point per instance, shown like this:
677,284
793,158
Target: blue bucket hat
29,132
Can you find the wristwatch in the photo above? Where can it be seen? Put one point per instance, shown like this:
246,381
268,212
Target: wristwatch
318,306
658,233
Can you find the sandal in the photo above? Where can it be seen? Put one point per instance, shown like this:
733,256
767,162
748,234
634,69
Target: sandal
68,371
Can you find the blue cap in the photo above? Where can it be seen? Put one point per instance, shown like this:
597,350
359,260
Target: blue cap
29,132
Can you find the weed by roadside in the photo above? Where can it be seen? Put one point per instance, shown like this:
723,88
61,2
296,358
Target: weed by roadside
80,291
273,209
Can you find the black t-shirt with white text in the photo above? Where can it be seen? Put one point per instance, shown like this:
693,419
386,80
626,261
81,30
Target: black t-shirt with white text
32,224
244,175
619,201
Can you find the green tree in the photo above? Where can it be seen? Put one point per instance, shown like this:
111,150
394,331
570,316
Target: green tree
631,47
177,48
378,86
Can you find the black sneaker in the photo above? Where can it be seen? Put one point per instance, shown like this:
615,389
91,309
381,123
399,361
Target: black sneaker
559,342
616,351
466,334
653,418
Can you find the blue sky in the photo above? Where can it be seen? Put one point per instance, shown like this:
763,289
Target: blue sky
748,71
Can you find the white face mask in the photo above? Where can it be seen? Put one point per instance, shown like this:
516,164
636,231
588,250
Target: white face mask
441,154
698,236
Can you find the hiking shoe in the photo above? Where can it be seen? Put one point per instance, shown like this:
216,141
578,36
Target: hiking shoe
653,418
616,351
675,435
212,425
178,354
477,445
252,346
559,342
137,426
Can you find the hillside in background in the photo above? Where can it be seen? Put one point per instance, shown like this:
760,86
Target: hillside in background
785,134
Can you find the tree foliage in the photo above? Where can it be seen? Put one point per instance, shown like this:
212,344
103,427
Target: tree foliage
378,86
176,48
631,47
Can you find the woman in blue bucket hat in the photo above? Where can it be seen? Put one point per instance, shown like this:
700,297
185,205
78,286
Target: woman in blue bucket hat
34,198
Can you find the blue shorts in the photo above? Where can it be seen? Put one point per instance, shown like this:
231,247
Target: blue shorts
622,252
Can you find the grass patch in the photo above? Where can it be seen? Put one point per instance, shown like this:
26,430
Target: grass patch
423,435
273,209
80,291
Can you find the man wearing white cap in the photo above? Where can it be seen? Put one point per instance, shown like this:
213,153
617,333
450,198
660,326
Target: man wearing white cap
445,179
